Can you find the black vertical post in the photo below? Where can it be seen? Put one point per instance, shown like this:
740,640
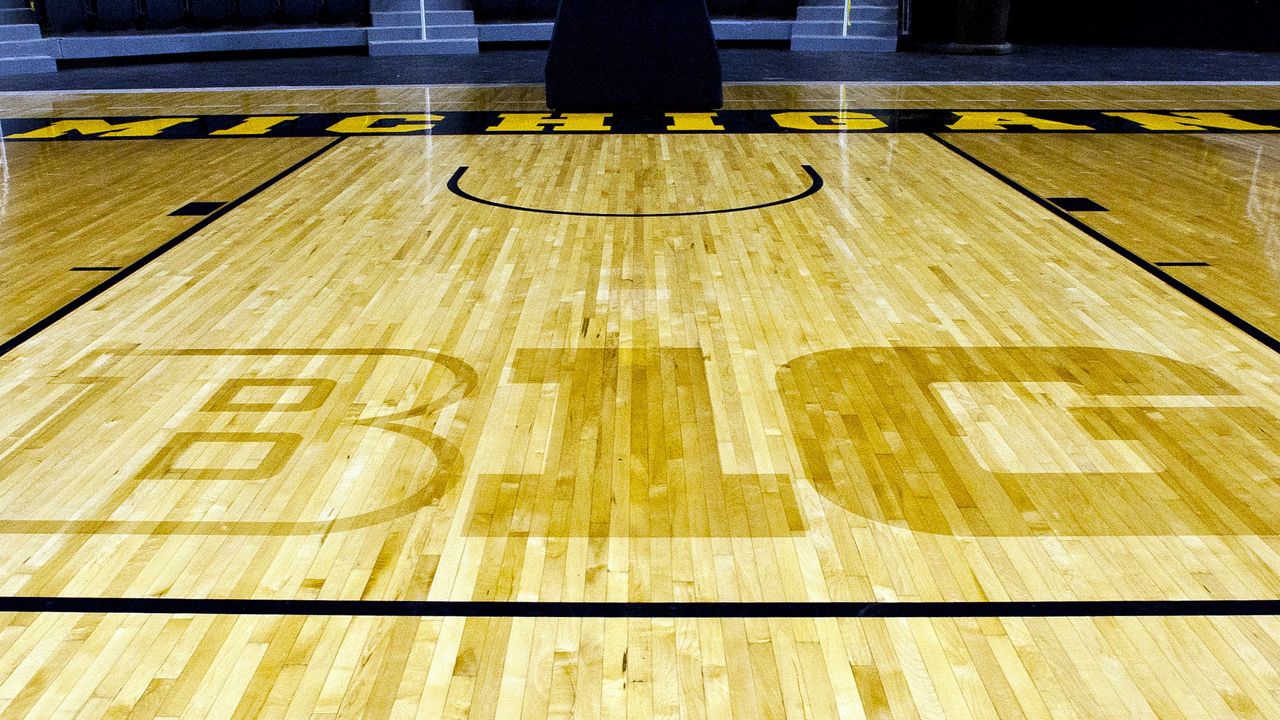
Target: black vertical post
633,55
962,26
982,26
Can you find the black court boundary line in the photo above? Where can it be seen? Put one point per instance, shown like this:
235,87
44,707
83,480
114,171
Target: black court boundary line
815,184
491,609
1240,323
44,323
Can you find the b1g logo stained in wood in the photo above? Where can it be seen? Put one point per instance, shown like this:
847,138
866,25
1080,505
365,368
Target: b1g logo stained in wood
1032,441
633,448
269,441
639,442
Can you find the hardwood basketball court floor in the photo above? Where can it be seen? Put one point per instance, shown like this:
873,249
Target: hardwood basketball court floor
849,401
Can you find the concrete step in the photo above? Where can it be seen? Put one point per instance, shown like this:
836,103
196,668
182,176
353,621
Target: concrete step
27,31
17,16
751,29
872,29
451,32
27,65
26,48
392,34
515,32
434,32
818,28
431,5
851,43
836,13
425,47
413,18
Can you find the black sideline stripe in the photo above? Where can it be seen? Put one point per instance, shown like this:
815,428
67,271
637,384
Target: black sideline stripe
815,184
1240,323
1077,204
12,343
426,608
196,208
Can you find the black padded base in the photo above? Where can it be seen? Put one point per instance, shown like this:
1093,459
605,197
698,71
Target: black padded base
633,55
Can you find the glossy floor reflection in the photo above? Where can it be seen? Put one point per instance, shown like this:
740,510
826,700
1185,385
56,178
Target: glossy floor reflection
1012,366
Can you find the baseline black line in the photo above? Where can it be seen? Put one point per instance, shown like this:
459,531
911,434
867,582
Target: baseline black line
44,323
447,608
1240,323
815,184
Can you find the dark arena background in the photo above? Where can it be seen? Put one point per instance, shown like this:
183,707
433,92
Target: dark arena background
737,359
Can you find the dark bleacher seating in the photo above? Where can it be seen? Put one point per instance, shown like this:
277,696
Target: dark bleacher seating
65,16
116,14
347,10
542,10
68,17
255,12
210,12
164,14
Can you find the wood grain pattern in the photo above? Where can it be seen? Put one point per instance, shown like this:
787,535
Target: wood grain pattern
1213,199
915,384
107,205
293,667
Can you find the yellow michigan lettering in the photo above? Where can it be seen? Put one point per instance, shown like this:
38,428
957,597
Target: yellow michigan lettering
999,120
260,125
1177,121
102,128
380,124
835,121
537,122
693,121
